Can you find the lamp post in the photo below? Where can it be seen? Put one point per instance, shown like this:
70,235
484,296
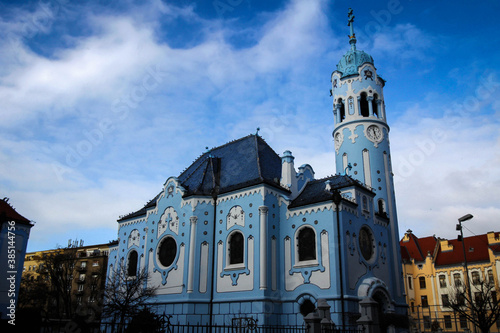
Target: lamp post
461,238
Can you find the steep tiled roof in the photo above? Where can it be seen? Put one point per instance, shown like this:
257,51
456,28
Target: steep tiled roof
417,248
315,191
241,163
7,213
476,248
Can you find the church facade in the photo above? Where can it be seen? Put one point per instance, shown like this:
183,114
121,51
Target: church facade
244,233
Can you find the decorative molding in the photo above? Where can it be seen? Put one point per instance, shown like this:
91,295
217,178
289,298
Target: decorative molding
310,210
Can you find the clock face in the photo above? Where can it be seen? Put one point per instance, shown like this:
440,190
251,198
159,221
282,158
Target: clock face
374,133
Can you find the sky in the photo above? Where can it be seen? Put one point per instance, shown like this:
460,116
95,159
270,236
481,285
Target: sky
102,101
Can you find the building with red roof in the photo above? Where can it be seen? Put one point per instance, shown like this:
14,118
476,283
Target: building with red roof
433,266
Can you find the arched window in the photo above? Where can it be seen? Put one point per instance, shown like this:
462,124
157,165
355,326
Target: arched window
375,105
363,105
381,206
167,251
236,248
342,109
307,307
306,244
132,263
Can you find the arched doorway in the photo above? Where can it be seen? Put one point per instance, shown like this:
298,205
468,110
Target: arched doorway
375,305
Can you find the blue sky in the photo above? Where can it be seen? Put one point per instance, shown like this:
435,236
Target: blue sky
103,101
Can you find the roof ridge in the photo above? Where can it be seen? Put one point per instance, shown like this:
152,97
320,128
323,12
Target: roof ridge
257,151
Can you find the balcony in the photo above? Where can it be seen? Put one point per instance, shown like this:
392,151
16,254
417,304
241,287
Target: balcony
81,268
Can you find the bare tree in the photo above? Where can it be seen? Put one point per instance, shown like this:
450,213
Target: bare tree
125,296
59,265
478,303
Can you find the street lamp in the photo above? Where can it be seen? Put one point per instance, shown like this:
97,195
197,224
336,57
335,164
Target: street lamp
461,238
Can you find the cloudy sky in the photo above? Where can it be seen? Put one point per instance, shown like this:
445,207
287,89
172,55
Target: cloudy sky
102,101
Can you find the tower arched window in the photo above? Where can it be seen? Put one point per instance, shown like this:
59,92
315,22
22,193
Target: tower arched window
132,263
306,243
236,248
375,105
381,206
363,105
342,109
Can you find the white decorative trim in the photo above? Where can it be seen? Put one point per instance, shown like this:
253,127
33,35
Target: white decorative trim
310,210
240,194
195,201
126,224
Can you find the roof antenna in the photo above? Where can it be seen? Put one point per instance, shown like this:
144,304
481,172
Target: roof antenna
258,129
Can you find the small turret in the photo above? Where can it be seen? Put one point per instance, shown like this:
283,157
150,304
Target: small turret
288,173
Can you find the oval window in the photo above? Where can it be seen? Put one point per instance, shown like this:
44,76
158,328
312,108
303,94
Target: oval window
366,243
167,251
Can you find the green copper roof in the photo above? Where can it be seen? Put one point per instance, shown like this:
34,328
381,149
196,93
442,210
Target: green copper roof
349,63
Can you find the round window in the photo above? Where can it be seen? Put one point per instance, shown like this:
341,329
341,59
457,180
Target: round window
366,243
167,251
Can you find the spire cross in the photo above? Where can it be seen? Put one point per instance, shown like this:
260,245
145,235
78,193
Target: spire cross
352,36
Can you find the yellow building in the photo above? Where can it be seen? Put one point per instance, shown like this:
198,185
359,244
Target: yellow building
432,267
85,278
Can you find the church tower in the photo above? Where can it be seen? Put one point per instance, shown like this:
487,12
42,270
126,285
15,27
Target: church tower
361,134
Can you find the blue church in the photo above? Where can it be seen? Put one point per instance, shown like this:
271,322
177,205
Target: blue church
244,233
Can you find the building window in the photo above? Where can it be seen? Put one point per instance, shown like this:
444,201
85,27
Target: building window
236,248
365,203
167,251
410,285
478,297
442,281
82,277
132,263
95,263
457,280
381,207
342,109
363,105
424,302
475,278
306,244
83,264
80,287
461,299
445,300
447,321
491,279
421,280
79,300
463,321
427,322
375,105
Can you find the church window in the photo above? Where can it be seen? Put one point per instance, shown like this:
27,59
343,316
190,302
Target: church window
381,206
363,105
421,280
366,243
236,248
132,263
375,105
307,307
342,109
365,203
167,251
306,244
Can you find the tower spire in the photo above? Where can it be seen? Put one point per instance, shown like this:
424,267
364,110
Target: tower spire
352,36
